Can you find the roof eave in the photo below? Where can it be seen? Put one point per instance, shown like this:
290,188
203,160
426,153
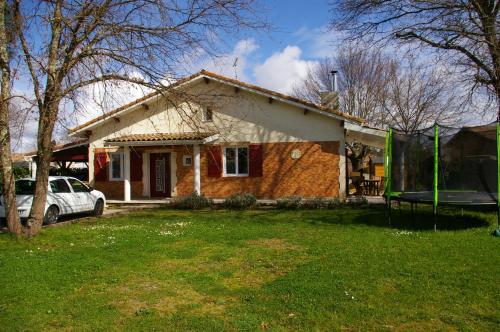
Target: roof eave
131,108
155,143
284,100
203,75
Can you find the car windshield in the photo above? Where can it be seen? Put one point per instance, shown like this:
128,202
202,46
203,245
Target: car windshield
25,187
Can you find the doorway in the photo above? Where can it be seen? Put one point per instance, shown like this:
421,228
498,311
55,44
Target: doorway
159,181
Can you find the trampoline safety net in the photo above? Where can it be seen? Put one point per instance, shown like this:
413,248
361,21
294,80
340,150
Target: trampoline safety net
466,169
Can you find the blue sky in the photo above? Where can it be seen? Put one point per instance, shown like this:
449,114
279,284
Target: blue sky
275,58
292,20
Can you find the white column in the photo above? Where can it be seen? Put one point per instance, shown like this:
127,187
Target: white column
343,189
197,172
126,173
33,168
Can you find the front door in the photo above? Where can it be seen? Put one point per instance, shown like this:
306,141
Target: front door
160,174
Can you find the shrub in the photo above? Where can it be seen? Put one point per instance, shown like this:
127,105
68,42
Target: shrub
240,201
289,203
357,201
191,202
314,203
21,172
333,203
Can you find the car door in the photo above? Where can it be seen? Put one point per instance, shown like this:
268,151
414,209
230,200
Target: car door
62,196
82,195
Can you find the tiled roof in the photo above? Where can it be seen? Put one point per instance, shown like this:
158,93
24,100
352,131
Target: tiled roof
61,146
282,96
160,137
205,73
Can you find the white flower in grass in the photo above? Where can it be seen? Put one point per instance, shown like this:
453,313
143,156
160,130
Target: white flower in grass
349,295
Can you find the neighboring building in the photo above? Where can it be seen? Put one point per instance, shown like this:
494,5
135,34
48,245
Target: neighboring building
217,136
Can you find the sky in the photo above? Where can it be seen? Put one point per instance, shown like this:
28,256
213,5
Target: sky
277,58
274,58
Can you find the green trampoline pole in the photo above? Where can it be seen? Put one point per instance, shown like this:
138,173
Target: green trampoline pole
388,172
497,232
436,173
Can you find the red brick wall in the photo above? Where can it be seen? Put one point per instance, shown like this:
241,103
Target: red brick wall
315,173
114,189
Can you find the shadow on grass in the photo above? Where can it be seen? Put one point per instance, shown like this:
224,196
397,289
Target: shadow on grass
421,220
425,221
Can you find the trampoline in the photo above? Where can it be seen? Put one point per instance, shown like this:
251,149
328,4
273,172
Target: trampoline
444,166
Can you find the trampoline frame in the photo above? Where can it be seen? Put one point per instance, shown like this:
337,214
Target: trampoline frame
388,193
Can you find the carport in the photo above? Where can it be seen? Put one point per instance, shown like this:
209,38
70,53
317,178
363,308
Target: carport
65,156
372,137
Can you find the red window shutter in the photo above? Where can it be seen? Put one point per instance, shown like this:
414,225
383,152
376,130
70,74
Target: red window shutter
135,165
101,166
255,155
214,156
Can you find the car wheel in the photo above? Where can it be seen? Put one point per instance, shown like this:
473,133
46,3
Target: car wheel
51,215
99,207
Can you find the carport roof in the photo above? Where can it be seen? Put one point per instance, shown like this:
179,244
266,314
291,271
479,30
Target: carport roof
366,135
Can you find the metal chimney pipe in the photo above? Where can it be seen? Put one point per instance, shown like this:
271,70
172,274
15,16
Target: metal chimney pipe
334,80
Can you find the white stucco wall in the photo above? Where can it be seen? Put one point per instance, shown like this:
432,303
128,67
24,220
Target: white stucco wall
238,117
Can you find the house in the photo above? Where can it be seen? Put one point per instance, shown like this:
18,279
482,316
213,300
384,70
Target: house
217,136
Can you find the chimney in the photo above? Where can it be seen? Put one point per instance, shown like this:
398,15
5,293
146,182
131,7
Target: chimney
330,98
334,80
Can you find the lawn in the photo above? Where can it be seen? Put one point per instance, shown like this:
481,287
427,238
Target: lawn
278,270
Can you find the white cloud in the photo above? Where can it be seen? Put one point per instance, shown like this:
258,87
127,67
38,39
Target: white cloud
225,64
320,42
282,70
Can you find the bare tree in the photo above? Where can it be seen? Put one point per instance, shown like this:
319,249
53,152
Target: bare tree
6,171
68,45
363,74
418,96
22,115
317,81
465,31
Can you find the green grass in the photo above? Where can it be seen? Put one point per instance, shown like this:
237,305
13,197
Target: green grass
276,270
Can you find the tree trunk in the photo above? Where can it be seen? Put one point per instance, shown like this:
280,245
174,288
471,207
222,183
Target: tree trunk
7,174
357,156
44,155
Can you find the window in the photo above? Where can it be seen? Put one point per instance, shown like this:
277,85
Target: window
187,160
59,186
116,166
207,114
236,161
78,187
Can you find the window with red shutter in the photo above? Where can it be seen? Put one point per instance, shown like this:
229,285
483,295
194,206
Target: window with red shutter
101,166
256,160
214,157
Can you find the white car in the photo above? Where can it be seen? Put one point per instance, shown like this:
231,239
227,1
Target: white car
66,195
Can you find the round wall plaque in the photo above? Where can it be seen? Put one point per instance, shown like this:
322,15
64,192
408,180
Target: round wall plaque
296,154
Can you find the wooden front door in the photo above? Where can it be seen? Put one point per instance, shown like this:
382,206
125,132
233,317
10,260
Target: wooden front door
159,181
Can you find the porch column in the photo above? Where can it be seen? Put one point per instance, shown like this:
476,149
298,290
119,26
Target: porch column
197,172
33,167
126,173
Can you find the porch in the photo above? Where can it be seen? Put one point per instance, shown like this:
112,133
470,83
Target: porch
151,161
